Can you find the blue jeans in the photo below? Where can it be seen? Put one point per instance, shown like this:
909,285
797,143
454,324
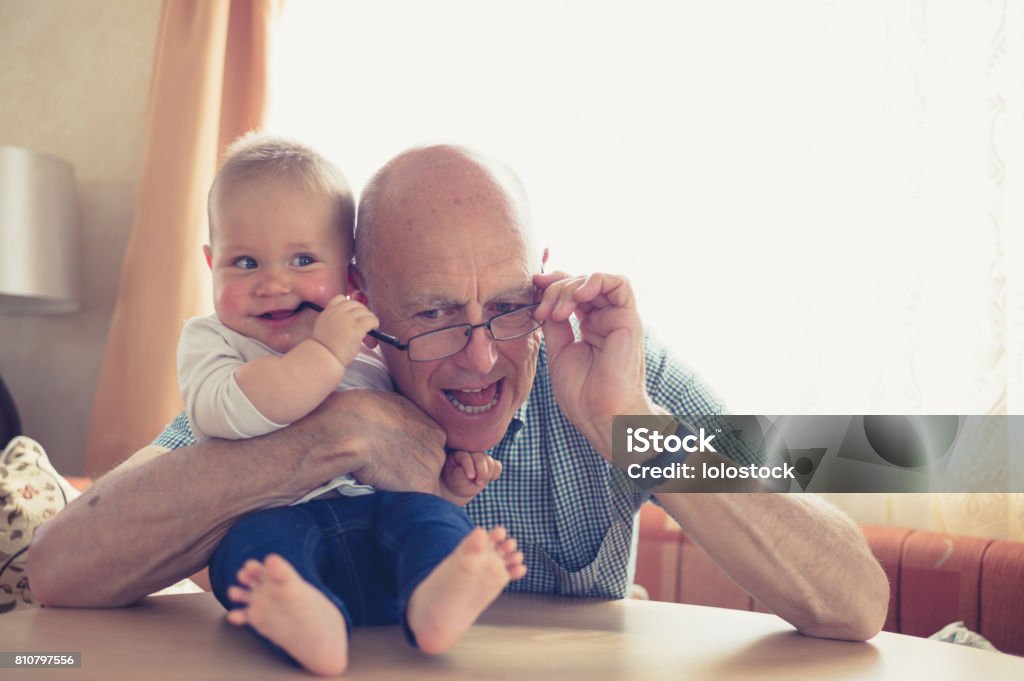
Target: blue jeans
367,554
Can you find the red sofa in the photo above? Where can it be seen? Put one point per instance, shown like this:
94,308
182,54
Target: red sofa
935,578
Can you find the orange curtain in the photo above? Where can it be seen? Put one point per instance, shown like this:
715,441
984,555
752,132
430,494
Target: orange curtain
209,86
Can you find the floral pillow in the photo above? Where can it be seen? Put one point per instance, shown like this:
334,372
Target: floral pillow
31,492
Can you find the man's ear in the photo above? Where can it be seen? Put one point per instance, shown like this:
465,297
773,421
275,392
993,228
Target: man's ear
356,285
209,256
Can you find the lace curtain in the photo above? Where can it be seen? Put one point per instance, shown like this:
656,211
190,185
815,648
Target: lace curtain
958,343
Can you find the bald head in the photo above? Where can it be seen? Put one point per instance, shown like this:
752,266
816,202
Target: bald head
414,193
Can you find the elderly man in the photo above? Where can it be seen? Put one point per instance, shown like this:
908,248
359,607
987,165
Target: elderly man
443,248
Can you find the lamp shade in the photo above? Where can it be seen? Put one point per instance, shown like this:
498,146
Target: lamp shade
38,233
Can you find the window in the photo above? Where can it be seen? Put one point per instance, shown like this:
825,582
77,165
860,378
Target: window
808,196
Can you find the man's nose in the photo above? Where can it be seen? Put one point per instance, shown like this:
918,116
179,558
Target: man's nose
274,282
480,354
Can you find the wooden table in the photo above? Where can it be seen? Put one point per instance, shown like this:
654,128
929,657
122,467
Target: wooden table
521,638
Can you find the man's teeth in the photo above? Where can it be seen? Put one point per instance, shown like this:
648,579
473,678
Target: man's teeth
472,410
467,409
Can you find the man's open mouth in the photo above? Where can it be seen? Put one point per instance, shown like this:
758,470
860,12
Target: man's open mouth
475,400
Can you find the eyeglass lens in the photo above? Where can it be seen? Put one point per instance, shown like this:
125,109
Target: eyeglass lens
445,342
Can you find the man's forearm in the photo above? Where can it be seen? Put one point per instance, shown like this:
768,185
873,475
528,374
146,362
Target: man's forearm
796,554
158,517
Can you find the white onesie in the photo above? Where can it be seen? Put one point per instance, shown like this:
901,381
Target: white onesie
209,354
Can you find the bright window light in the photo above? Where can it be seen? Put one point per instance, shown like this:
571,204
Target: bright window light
808,196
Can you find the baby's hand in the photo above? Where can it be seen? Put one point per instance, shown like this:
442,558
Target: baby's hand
466,474
342,326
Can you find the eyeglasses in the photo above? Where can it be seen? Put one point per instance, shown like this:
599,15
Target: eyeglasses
451,340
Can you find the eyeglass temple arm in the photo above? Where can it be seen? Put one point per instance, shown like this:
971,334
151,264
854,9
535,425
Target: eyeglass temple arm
379,335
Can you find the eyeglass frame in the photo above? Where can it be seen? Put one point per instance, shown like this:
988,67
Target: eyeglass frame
404,347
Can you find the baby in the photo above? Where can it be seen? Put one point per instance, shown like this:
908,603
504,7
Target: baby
281,224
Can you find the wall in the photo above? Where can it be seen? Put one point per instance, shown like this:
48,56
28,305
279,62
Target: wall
75,81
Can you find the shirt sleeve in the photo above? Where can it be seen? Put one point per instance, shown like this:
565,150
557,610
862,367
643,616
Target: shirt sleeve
675,386
367,370
176,434
214,403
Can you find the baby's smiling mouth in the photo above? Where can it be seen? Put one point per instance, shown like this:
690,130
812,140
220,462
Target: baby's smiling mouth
275,315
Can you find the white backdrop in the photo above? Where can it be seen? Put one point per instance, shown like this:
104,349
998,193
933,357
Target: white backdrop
819,203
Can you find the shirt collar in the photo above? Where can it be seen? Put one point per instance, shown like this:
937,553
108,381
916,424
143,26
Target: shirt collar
515,426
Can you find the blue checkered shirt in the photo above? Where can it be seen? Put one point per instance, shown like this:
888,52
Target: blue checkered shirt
573,514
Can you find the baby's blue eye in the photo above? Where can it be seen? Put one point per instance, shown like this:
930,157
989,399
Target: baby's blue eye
245,263
303,260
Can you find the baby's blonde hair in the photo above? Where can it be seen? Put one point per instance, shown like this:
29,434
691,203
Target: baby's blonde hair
258,155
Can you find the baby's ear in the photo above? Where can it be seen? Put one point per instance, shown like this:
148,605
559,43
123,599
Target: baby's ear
209,256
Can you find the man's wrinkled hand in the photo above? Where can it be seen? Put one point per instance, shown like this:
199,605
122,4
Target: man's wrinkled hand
600,374
393,445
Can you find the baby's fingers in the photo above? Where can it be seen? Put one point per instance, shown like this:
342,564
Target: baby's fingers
466,463
488,468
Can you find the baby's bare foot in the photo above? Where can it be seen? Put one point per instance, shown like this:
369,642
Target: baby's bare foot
292,613
450,598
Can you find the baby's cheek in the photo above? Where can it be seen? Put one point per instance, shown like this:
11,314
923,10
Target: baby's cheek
324,288
229,301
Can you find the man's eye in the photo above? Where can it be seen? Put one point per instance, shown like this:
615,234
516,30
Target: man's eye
505,308
433,315
303,260
245,263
